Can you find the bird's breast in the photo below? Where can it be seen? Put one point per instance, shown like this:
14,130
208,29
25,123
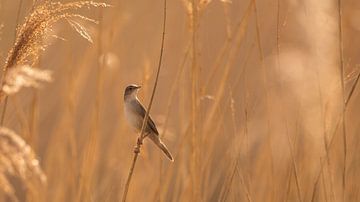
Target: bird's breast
132,117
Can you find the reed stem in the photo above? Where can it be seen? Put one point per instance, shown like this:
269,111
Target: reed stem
141,135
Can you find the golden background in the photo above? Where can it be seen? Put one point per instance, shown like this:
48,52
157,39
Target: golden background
250,96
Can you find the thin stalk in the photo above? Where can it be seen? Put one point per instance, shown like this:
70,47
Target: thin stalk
141,135
227,185
316,184
341,57
240,32
352,89
324,185
346,103
246,124
242,181
194,107
266,94
170,101
298,187
220,94
224,49
92,147
211,143
278,32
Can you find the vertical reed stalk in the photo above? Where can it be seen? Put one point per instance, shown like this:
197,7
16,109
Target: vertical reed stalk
269,141
141,135
194,99
344,101
91,149
290,144
174,87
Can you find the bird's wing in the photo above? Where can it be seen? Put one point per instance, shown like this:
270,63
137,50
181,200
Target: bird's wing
150,123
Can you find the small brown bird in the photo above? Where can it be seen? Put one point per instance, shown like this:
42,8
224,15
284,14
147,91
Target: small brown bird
135,114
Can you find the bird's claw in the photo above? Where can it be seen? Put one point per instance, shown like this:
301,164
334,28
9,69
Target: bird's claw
136,150
139,141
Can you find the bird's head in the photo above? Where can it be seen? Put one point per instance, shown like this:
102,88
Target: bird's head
131,90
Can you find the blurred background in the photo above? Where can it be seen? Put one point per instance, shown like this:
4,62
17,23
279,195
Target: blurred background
257,101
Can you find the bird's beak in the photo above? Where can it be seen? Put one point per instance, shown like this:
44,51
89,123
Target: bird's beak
137,87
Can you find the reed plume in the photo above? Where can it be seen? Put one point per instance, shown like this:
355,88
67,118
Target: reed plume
17,160
30,35
24,76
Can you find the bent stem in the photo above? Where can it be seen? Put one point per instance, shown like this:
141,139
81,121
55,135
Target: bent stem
142,135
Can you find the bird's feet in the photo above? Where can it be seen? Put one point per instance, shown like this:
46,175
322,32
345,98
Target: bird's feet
137,149
139,141
138,145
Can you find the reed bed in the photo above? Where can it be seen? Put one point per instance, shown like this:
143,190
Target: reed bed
256,100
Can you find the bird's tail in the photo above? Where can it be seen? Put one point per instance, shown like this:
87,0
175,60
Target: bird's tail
161,145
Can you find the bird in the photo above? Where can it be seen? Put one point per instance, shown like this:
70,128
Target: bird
135,114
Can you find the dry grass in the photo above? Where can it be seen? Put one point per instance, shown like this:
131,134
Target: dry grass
17,161
257,100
